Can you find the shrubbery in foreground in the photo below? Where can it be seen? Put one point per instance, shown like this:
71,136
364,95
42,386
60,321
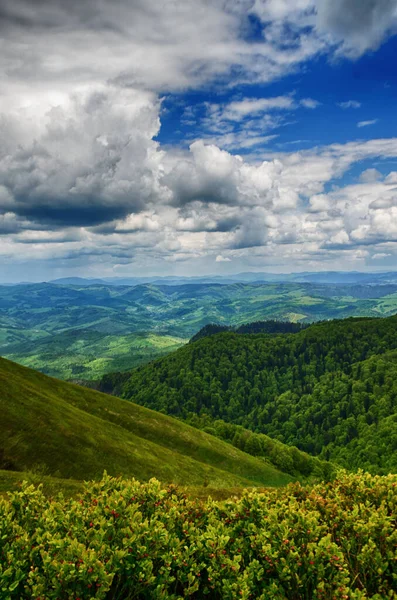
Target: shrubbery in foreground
124,539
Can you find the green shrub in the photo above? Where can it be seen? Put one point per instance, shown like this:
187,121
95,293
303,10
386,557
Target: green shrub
122,540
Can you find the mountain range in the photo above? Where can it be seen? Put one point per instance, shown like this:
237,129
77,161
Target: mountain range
343,277
80,332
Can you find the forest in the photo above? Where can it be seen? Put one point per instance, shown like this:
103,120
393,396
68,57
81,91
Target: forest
330,389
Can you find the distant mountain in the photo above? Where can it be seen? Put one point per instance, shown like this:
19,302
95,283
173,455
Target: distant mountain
348,277
330,277
330,389
78,281
83,331
72,432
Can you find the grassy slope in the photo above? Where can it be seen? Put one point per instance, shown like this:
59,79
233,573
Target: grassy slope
67,431
11,480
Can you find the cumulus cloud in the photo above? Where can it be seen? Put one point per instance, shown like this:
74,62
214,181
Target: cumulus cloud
370,175
212,204
81,172
91,162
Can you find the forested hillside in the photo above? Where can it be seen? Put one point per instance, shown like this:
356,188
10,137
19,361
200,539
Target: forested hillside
270,326
331,389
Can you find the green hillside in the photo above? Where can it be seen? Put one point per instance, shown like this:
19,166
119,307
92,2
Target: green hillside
270,326
66,431
82,331
88,354
330,390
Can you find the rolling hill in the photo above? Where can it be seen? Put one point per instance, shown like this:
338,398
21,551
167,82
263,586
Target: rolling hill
330,389
66,431
76,330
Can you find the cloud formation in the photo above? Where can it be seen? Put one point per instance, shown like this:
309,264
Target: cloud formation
367,123
81,172
208,203
359,25
349,104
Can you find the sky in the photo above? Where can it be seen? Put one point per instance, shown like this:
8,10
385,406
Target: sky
191,137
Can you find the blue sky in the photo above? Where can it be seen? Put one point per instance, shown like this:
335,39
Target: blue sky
369,84
197,136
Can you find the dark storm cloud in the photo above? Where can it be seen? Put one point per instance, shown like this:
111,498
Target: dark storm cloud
10,224
62,212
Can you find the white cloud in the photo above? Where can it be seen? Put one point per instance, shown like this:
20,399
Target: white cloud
349,104
319,203
82,177
221,258
79,169
392,177
242,124
235,111
310,103
359,25
367,123
221,205
370,175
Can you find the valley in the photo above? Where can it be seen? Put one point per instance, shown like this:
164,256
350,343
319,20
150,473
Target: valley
80,332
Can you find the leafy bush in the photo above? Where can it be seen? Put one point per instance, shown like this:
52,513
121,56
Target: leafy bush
123,540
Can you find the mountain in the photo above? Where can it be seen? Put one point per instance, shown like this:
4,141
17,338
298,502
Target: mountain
67,431
79,281
330,389
342,277
84,331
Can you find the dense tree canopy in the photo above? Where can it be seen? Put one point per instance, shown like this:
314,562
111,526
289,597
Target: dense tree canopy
330,390
269,326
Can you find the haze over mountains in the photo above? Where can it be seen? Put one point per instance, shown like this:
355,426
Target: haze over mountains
343,277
